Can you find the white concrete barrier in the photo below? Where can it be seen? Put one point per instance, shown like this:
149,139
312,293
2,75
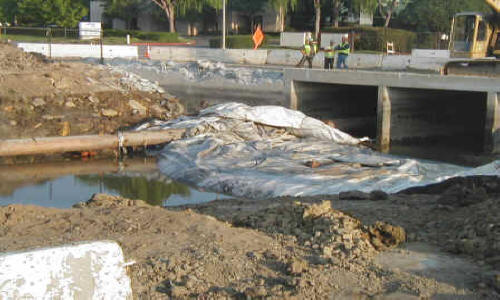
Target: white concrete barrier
81,50
432,60
395,62
83,271
430,53
185,54
293,39
429,59
327,37
364,61
283,57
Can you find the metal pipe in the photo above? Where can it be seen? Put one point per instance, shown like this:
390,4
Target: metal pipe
49,145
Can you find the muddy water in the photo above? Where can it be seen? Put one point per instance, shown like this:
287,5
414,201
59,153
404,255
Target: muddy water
62,185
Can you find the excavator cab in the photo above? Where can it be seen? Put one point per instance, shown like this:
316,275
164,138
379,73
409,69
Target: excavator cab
470,36
474,43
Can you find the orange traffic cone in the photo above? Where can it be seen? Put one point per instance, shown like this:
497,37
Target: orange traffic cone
147,54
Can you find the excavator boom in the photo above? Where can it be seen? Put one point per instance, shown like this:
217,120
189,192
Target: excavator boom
495,4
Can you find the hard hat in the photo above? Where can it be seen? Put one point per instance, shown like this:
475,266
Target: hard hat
346,35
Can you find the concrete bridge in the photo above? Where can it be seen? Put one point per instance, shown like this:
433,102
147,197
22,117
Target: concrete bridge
396,107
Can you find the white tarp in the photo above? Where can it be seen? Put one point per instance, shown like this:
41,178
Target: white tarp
264,151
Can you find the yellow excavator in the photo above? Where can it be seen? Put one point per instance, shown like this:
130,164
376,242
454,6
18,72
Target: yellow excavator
475,43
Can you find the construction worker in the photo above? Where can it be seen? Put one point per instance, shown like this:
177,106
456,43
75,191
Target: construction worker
344,49
307,54
329,56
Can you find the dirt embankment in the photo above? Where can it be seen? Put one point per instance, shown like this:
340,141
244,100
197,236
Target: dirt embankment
277,248
40,98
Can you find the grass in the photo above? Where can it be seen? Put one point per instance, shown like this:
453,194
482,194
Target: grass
108,40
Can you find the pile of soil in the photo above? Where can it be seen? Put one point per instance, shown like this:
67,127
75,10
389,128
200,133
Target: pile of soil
40,98
278,249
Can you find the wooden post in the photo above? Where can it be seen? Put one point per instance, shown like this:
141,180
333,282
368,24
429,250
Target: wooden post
383,119
50,145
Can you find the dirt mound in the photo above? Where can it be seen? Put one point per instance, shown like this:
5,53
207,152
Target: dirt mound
326,231
13,59
40,99
187,255
108,201
490,185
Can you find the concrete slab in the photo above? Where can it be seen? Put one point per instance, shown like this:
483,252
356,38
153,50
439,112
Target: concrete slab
92,270
78,50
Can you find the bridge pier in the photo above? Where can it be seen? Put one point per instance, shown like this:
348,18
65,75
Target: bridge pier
383,119
402,108
492,123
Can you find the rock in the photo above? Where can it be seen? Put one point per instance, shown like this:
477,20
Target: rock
94,99
384,236
378,195
297,266
38,102
462,196
70,104
108,201
313,164
354,195
158,111
254,292
134,105
65,129
328,251
178,292
317,210
109,113
174,107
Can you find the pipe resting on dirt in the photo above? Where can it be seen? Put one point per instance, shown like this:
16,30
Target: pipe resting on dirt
48,145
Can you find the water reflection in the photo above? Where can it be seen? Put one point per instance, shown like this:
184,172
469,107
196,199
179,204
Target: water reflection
62,185
154,192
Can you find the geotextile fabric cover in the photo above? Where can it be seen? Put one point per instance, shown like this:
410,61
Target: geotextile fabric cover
267,151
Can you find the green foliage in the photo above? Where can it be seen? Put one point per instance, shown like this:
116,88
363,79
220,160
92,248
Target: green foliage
247,7
8,10
436,15
160,37
376,38
64,13
285,4
125,9
243,41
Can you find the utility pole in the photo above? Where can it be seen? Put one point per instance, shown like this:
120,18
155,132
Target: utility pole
224,24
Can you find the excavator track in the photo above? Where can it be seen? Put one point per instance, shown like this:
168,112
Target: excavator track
476,67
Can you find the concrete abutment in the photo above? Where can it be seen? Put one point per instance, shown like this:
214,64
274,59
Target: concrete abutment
402,108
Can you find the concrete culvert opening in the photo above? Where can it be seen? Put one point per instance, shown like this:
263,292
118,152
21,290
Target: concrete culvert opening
438,117
352,108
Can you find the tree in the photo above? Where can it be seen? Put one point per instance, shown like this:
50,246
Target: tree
317,26
436,15
171,7
337,4
248,9
65,13
8,11
282,7
125,9
386,9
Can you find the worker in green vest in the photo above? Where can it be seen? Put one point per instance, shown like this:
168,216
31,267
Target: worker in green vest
343,50
307,54
329,56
